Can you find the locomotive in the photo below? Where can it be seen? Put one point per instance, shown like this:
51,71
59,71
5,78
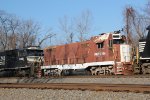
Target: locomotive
105,54
21,62
143,55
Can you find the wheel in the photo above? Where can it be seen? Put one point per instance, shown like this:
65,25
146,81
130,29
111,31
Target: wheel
143,70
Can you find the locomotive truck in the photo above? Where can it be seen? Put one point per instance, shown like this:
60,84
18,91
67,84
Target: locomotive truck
143,55
21,62
105,54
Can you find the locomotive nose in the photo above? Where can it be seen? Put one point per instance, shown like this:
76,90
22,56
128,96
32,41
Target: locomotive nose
148,28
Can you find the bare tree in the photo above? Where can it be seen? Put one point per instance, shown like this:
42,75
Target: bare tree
83,24
67,27
48,35
13,36
136,22
16,33
147,13
135,25
28,33
4,30
147,9
128,16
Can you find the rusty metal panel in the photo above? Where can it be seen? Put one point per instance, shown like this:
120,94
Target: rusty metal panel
98,49
80,52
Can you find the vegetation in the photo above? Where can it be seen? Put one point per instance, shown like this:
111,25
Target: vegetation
17,33
136,23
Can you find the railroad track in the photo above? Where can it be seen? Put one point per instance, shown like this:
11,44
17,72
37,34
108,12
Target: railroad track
83,86
88,76
104,76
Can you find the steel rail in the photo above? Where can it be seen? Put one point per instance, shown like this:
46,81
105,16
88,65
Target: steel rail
137,88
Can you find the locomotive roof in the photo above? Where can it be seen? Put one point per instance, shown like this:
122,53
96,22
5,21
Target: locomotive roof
100,38
96,39
29,47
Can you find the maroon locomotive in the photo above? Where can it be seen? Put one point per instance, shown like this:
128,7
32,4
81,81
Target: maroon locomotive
107,53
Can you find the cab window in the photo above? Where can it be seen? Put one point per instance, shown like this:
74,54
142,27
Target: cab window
100,45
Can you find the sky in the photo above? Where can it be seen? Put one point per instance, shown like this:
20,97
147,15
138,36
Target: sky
107,14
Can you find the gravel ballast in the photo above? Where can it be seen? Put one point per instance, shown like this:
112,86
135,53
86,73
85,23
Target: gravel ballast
49,94
78,80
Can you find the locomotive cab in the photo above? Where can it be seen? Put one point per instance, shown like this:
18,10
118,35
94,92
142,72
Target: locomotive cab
113,54
122,54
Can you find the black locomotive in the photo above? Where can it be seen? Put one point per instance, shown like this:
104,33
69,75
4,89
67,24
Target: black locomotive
143,55
21,62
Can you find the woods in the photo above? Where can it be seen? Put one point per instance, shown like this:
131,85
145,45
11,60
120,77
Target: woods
136,22
16,32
